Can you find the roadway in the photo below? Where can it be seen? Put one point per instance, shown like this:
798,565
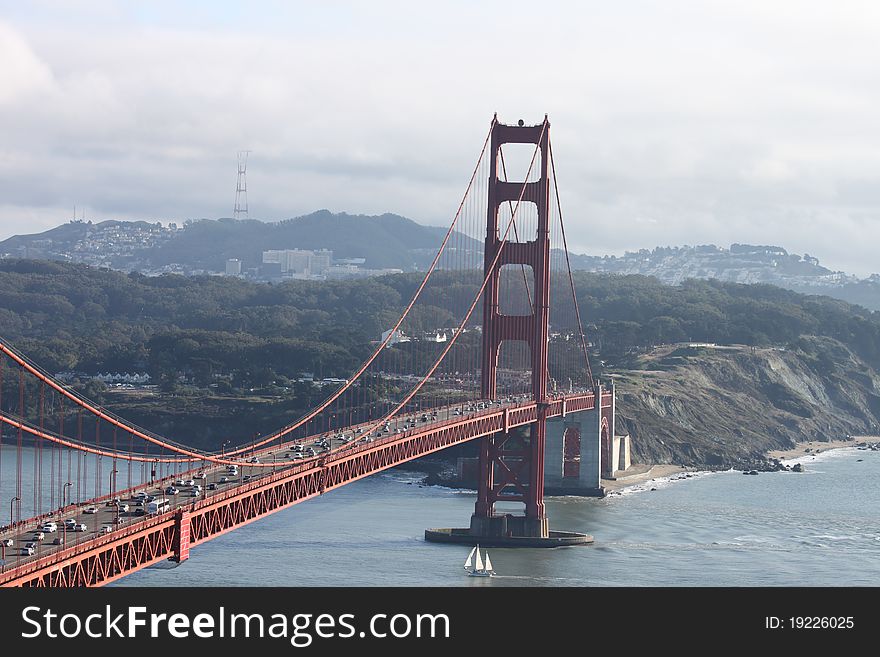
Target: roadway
102,517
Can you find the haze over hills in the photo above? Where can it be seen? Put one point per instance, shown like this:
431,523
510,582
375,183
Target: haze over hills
391,242
384,241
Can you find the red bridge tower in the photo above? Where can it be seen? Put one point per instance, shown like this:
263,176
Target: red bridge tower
505,474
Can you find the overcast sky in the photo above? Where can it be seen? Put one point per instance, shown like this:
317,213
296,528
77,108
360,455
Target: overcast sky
674,122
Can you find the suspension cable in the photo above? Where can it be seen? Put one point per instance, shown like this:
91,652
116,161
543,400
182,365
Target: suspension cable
568,264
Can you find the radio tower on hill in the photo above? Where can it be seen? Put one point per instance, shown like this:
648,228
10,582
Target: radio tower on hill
241,202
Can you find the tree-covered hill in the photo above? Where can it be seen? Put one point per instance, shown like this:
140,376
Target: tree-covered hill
76,317
72,317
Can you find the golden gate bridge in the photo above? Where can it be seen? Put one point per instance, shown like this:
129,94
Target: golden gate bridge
477,353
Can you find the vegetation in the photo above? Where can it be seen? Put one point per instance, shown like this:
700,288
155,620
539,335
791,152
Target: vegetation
632,313
72,317
227,354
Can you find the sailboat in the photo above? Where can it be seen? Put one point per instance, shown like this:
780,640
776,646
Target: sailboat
475,567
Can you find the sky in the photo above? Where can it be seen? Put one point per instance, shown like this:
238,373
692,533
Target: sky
675,122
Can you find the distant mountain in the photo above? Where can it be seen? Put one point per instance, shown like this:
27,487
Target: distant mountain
741,263
390,241
384,241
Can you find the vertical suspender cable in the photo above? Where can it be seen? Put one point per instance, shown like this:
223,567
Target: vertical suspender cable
570,277
2,428
22,414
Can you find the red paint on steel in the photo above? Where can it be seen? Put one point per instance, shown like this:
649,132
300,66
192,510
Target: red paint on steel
182,534
523,472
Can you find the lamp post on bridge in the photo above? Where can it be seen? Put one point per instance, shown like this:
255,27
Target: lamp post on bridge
11,504
3,555
223,447
64,524
116,502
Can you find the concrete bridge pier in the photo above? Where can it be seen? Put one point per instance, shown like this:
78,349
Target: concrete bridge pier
583,448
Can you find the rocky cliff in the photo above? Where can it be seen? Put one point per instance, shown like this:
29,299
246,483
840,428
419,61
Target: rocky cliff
724,406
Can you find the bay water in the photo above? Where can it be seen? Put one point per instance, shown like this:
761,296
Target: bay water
816,528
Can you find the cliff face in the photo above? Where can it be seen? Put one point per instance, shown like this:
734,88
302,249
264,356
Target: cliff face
719,406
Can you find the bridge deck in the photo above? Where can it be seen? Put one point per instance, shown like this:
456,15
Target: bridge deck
94,558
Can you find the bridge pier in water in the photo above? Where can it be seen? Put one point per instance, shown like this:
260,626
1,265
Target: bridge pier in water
579,452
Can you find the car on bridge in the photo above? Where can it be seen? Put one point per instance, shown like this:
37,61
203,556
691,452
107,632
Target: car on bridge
39,536
27,551
171,490
80,527
49,528
90,509
7,542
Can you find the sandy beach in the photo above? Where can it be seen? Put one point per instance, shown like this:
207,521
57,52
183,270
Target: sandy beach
818,446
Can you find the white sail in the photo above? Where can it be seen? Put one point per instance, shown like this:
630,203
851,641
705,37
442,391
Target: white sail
479,559
470,560
488,563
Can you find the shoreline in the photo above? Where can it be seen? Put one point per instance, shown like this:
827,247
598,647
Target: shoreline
813,447
656,471
800,450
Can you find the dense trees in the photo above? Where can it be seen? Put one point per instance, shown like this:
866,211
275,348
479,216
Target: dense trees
637,311
74,317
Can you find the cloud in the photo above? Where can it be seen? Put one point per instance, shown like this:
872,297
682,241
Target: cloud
673,123
23,75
